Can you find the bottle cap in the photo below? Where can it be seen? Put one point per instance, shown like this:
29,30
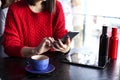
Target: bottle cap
104,30
114,31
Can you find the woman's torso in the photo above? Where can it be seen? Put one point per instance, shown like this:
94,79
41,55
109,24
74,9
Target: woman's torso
33,27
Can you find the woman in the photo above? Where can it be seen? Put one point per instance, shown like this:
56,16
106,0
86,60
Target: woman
34,27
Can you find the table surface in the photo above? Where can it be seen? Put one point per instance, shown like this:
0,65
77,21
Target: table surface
14,69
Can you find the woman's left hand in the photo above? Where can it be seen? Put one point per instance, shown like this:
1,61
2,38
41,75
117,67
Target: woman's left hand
59,46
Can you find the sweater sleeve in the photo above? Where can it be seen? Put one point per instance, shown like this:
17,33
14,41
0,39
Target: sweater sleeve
12,43
59,22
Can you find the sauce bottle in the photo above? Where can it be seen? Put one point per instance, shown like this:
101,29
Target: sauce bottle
103,47
113,44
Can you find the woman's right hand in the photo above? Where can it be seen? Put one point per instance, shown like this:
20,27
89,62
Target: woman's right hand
44,46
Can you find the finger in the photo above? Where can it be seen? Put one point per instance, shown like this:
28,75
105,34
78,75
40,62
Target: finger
56,44
46,42
51,39
60,43
65,44
56,49
68,41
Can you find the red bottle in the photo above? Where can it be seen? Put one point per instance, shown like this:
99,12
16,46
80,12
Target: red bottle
113,44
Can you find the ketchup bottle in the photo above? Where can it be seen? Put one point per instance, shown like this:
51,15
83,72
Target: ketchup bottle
113,44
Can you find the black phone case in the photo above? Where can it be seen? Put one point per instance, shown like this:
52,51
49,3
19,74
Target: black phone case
69,34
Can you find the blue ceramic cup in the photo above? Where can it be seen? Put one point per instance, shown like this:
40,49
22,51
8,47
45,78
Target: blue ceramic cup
39,62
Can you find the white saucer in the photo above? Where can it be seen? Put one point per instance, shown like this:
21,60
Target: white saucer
48,70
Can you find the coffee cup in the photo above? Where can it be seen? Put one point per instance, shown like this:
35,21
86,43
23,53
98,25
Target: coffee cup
39,62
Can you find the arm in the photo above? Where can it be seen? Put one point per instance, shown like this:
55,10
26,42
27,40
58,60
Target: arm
12,42
3,13
60,31
59,22
44,46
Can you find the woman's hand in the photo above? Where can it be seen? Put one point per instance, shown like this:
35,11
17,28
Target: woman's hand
44,46
59,46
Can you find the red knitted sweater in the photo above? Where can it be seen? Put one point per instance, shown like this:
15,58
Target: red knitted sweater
27,28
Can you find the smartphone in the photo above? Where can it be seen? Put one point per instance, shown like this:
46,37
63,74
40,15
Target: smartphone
70,34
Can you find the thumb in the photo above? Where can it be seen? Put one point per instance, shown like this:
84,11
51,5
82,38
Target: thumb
68,41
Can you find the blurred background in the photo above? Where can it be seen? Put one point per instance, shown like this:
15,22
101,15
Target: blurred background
88,17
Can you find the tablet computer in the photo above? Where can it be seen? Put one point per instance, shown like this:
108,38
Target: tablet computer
83,58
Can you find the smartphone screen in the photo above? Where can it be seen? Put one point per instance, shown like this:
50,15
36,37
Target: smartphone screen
70,34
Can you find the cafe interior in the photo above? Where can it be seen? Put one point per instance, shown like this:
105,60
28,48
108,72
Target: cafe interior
82,62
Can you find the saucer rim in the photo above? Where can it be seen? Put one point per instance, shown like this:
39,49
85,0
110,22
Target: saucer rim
39,72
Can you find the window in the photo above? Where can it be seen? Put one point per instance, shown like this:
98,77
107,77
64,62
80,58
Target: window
88,17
